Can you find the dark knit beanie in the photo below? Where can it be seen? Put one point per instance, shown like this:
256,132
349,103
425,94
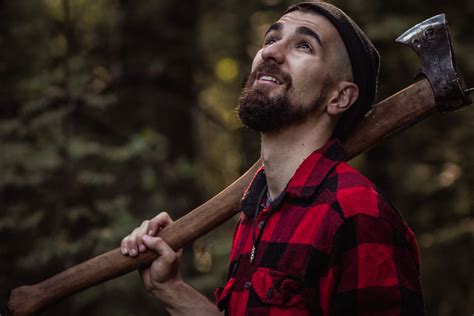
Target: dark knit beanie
363,56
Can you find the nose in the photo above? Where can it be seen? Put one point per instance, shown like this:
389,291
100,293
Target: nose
275,51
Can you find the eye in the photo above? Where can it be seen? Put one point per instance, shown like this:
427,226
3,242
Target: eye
305,46
269,41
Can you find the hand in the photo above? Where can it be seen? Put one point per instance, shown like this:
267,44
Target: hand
162,278
165,267
133,244
163,281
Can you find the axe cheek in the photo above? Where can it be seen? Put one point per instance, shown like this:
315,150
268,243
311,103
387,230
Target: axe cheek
431,41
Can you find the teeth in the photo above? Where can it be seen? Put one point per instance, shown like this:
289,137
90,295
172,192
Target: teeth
269,78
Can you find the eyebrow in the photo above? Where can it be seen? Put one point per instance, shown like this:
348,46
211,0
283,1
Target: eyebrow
274,27
309,32
304,30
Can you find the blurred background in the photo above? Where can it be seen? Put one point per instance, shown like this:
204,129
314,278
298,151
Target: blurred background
114,110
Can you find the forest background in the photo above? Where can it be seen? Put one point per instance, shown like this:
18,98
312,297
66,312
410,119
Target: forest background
114,110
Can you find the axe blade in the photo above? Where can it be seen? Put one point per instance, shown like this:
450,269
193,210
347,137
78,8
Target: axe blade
431,41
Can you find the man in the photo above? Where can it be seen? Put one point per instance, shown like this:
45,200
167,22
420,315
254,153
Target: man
315,237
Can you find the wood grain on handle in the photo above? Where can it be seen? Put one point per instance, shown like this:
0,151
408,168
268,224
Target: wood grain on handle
392,114
27,300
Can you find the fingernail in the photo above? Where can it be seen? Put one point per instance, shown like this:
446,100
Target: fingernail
146,237
133,252
124,251
142,248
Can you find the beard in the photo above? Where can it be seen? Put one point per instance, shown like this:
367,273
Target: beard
262,113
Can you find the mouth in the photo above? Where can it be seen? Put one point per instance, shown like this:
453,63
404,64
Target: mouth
268,79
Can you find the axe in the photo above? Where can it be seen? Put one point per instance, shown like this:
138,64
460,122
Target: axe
440,88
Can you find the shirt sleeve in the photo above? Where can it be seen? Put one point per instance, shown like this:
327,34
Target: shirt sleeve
377,268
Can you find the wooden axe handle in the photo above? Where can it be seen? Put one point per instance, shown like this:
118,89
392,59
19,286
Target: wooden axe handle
401,110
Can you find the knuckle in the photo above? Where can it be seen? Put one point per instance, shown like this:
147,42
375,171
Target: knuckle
126,240
130,242
165,218
163,215
159,221
139,236
140,233
170,258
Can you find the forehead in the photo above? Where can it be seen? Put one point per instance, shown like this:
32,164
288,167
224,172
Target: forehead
314,21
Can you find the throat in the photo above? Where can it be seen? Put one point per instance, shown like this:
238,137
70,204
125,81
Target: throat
279,172
283,152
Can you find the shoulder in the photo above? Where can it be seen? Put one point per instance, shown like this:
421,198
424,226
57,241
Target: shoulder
368,217
358,196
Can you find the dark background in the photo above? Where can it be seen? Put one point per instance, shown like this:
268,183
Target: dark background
114,110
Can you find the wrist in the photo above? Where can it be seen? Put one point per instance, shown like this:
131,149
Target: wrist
179,298
168,293
171,285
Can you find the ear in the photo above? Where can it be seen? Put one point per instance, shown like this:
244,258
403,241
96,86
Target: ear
344,94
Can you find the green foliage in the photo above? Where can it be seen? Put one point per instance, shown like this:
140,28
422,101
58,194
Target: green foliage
112,111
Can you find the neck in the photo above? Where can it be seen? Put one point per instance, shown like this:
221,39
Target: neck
283,151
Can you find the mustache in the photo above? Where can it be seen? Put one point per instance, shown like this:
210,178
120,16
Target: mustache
271,69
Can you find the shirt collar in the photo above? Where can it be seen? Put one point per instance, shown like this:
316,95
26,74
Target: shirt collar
306,180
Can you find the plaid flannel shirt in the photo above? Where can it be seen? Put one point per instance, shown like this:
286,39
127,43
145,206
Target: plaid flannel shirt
330,244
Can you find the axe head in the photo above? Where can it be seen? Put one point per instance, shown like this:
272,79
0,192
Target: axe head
431,41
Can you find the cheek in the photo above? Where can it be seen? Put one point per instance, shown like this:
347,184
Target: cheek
311,76
257,60
307,79
307,82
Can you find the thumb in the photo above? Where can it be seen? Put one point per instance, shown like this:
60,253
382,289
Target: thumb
158,244
145,275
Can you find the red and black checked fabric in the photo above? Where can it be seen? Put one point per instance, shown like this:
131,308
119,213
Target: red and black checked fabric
331,245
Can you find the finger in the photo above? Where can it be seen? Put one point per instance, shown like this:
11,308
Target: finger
142,230
123,246
166,253
179,253
159,221
132,243
145,275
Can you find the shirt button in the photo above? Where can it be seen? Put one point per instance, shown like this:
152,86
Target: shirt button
247,285
260,224
270,293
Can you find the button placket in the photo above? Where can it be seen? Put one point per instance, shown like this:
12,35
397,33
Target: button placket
261,213
261,218
270,293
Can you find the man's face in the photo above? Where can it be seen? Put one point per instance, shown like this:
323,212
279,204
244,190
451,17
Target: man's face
290,74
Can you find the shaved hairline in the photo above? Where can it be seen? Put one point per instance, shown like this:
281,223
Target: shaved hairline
341,61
